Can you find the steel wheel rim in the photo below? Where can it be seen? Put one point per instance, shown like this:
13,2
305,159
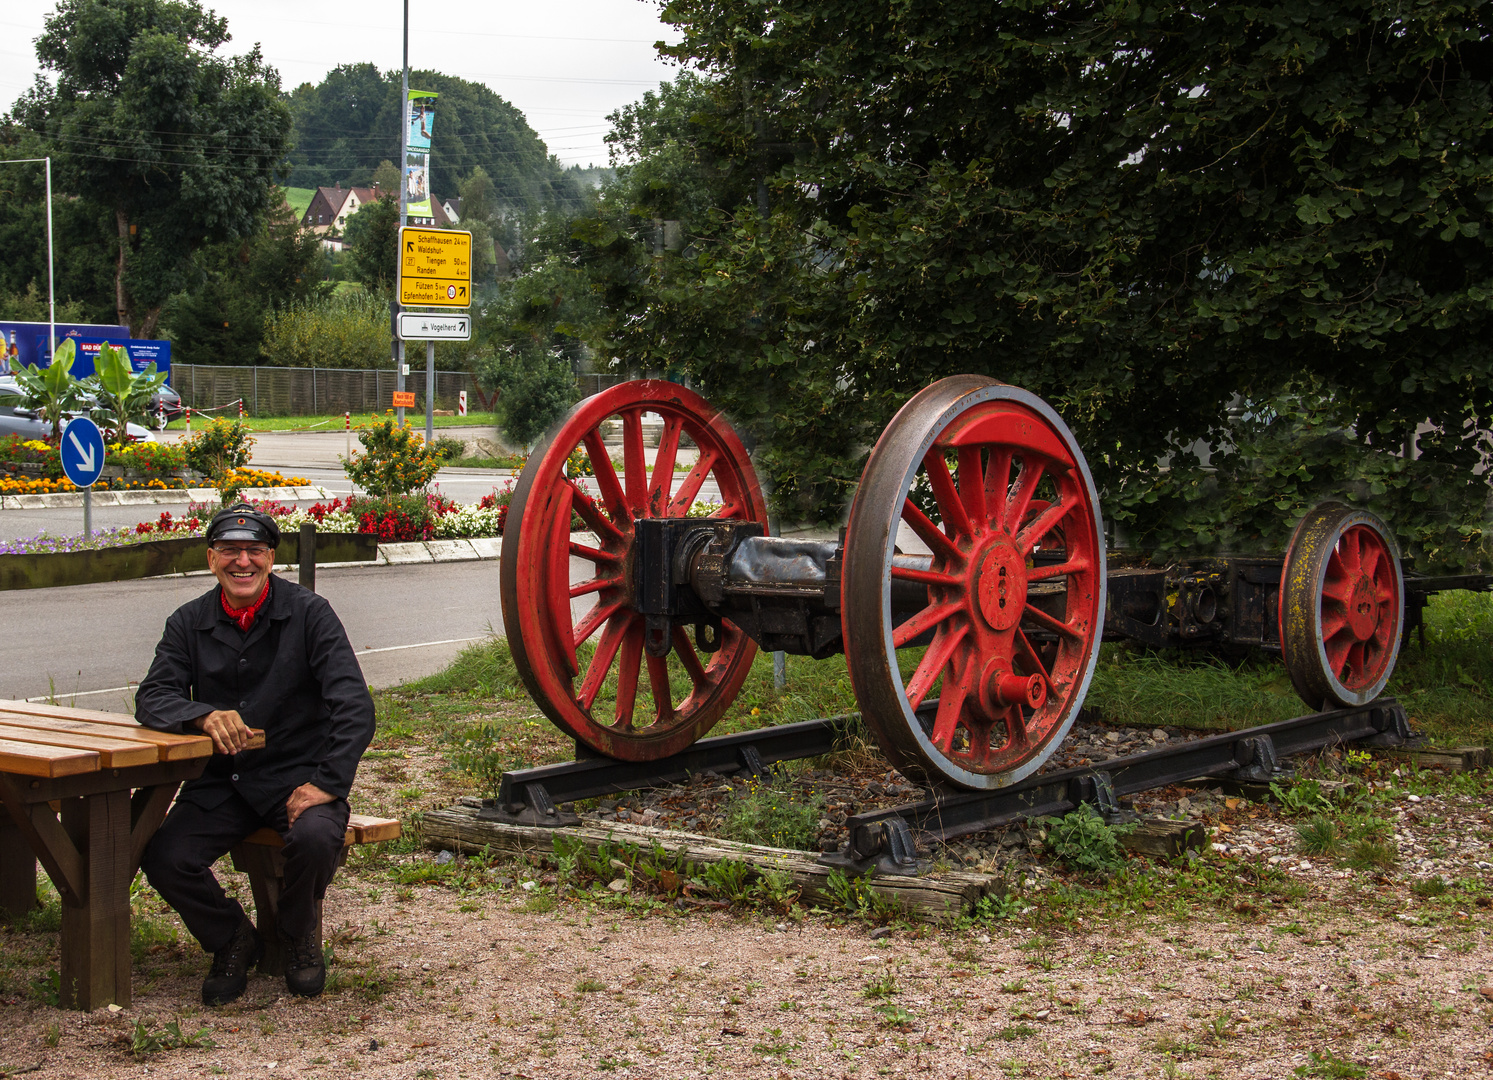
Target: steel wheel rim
952,414
539,624
1342,607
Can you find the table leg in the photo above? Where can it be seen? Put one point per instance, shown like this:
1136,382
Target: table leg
17,870
96,933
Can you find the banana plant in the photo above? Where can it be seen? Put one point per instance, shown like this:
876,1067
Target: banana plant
52,391
121,393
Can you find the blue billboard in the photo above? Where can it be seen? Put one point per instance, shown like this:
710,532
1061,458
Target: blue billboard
26,343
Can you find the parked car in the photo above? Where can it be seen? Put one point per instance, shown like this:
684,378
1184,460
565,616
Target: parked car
165,406
16,419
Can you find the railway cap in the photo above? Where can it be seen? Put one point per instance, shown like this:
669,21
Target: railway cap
242,522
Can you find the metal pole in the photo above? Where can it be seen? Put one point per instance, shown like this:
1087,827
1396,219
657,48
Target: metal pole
404,164
430,393
88,511
51,288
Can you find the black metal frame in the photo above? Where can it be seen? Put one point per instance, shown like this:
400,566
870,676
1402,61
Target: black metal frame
883,841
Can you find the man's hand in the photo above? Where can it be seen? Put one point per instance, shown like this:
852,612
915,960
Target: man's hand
228,731
304,798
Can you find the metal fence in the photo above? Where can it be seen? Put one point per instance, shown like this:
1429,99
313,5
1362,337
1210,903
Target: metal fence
281,391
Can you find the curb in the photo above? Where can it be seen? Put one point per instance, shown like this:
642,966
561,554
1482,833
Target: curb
152,497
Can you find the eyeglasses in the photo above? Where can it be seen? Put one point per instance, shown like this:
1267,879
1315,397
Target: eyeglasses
256,553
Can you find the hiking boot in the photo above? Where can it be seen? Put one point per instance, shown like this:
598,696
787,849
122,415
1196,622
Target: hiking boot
305,971
230,972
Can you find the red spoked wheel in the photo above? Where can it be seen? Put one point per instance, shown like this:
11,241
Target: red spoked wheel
1342,607
579,644
1005,642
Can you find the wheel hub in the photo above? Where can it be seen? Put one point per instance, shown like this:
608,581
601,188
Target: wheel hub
1000,585
1363,608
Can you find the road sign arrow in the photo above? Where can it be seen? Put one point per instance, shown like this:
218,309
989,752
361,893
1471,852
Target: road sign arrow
463,290
85,453
409,245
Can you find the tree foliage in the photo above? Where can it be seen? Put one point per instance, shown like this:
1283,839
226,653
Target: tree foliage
1157,217
177,143
349,122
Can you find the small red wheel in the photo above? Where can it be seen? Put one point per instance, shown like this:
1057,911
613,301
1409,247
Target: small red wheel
1011,644
1342,607
549,638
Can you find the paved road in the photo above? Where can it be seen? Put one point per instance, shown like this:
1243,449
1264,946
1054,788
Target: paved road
90,642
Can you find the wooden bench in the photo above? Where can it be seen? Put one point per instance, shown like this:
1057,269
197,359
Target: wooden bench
260,856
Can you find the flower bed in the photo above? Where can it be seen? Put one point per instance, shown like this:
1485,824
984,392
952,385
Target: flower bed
34,467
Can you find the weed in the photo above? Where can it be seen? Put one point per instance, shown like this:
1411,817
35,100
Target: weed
1083,840
1372,855
893,1015
1006,906
1426,888
882,988
1304,796
169,1037
1328,1064
855,896
729,879
52,1034
1012,1032
589,986
774,816
1318,835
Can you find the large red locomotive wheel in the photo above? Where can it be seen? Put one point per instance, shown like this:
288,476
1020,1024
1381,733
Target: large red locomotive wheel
1011,643
1342,607
547,639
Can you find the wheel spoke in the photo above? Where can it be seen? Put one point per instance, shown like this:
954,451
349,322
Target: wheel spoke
950,707
634,465
684,498
661,480
1333,622
924,620
1033,659
581,588
972,484
933,663
606,477
1042,618
1337,652
591,554
658,680
593,620
1337,589
1030,536
591,513
997,484
628,666
927,577
690,661
1021,498
930,534
1044,573
601,662
950,506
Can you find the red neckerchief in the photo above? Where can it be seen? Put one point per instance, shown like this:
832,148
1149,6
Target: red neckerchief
245,616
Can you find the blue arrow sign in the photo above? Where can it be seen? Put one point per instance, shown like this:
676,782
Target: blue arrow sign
82,451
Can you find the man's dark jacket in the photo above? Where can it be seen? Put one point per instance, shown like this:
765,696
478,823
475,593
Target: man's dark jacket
293,674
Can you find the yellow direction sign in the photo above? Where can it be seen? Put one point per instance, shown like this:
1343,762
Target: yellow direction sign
435,267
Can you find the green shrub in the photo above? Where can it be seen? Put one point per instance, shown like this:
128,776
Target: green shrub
344,330
395,460
218,449
448,449
534,386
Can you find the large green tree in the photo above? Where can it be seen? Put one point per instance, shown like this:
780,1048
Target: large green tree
1148,214
178,143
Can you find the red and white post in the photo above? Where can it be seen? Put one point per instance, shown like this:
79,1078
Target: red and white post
347,428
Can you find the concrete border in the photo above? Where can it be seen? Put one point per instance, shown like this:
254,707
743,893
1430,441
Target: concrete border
153,497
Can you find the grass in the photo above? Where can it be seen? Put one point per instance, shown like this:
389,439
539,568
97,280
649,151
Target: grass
325,422
299,198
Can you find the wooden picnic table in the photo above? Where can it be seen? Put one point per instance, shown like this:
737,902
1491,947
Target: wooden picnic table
83,791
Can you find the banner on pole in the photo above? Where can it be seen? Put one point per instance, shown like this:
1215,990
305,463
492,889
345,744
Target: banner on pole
421,116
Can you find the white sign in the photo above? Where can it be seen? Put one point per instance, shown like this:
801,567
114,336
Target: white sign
416,327
461,403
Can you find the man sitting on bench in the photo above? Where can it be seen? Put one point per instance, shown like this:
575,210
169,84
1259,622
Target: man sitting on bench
256,651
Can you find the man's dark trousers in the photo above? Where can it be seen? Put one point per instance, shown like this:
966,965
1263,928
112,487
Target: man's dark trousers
178,863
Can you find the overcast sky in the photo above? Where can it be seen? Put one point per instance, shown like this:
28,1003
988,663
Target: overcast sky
564,63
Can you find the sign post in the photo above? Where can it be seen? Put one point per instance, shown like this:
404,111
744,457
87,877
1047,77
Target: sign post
82,453
435,270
